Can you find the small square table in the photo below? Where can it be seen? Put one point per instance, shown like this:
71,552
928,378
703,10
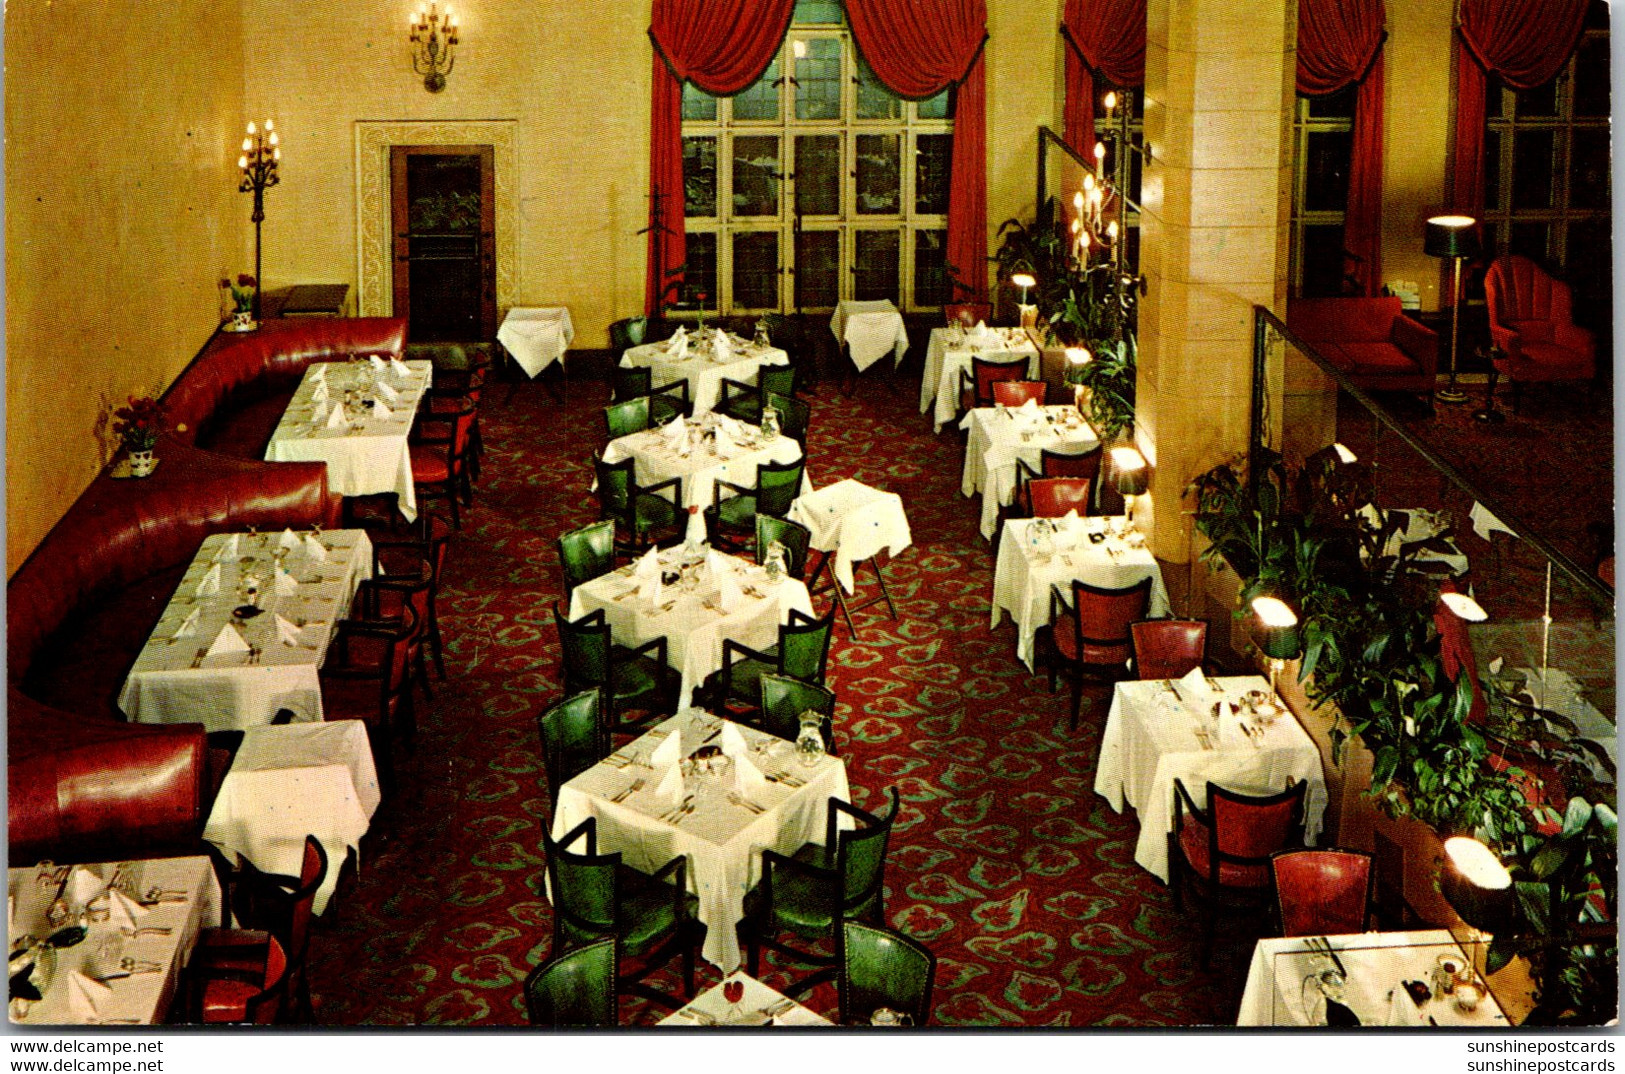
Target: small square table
998,437
950,352
760,1005
852,523
870,330
1151,740
174,680
700,365
1024,574
291,781
537,336
722,840
369,454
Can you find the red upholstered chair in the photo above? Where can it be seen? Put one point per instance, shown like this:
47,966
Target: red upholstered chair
1370,340
1168,648
967,314
1091,639
1052,464
427,539
1053,497
976,383
264,903
1322,892
451,387
1017,392
1223,852
441,453
1533,327
248,985
367,677
401,576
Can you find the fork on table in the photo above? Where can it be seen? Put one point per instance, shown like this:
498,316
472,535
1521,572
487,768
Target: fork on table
629,790
745,803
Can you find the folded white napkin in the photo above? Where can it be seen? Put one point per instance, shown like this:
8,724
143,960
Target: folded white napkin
319,393
722,350
287,539
1029,407
732,740
647,573
730,426
679,336
83,886
315,550
728,594
674,430
1194,692
335,420
228,549
227,641
122,910
380,412
286,632
209,585
748,779
318,415
376,362
318,373
398,367
85,996
284,583
669,752
671,784
388,394
188,625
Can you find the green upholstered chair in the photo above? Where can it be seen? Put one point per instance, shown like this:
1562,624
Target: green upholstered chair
784,700
795,538
631,679
883,968
576,989
627,417
814,891
627,333
643,514
730,521
587,552
574,737
802,652
665,402
794,416
596,896
744,401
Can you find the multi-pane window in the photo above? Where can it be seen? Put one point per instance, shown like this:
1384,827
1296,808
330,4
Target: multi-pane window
1124,173
1323,141
817,183
1546,174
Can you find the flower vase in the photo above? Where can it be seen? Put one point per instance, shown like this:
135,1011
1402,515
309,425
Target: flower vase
242,321
142,463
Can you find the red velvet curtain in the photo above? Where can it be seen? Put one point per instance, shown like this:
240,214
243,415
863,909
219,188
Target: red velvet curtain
1105,36
918,48
1525,42
722,46
1340,42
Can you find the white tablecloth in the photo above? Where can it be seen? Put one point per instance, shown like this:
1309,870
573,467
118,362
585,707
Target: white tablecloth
869,330
1375,963
1022,577
658,460
536,336
701,369
140,998
756,1005
998,436
225,691
723,841
693,624
950,352
1150,740
292,781
854,522
365,462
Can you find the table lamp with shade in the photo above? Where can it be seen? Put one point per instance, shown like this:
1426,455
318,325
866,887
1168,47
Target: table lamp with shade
1476,885
1454,236
1128,465
1278,637
1029,314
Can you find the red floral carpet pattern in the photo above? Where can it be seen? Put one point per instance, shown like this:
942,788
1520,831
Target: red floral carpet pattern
1003,860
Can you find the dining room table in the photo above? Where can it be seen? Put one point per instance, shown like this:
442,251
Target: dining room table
245,632
1160,730
851,522
870,329
758,1004
703,451
704,359
1100,550
998,437
652,802
356,417
140,919
536,336
290,781
1290,979
949,354
715,597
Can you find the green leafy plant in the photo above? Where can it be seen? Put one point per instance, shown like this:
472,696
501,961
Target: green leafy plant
241,292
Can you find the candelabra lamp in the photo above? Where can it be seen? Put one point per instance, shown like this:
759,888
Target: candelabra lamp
434,45
1455,237
258,163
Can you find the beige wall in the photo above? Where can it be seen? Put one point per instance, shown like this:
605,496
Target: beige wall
1416,137
121,211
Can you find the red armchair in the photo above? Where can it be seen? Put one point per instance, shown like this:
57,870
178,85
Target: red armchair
1532,325
1370,340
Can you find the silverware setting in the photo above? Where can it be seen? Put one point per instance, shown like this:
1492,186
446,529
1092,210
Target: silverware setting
1322,946
197,660
700,1017
157,895
630,789
788,779
145,930
676,814
779,1007
745,803
134,966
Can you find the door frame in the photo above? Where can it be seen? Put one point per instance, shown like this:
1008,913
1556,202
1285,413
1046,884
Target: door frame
400,282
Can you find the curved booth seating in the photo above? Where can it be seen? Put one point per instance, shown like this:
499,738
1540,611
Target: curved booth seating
83,784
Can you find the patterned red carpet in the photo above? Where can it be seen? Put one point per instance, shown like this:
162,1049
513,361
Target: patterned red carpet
1003,860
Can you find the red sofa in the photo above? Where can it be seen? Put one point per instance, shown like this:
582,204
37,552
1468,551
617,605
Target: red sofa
83,784
1370,340
1532,325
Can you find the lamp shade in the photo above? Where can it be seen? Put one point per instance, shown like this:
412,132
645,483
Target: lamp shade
1476,885
1278,635
1451,236
1023,280
1129,466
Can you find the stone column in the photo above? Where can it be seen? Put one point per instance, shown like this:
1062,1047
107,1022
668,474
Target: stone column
1220,77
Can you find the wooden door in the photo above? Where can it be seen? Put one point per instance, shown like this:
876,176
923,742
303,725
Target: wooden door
443,219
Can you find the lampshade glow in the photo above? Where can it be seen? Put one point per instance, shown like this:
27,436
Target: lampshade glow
1077,355
1464,606
1451,236
1023,280
1476,885
1129,466
1344,454
1279,637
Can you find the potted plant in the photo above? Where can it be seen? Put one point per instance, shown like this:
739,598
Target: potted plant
241,296
138,426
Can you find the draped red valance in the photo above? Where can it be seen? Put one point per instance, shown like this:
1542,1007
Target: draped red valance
722,46
1340,44
1105,37
918,48
1523,42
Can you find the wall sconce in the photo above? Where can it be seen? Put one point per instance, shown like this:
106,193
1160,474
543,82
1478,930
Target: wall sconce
258,163
434,45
